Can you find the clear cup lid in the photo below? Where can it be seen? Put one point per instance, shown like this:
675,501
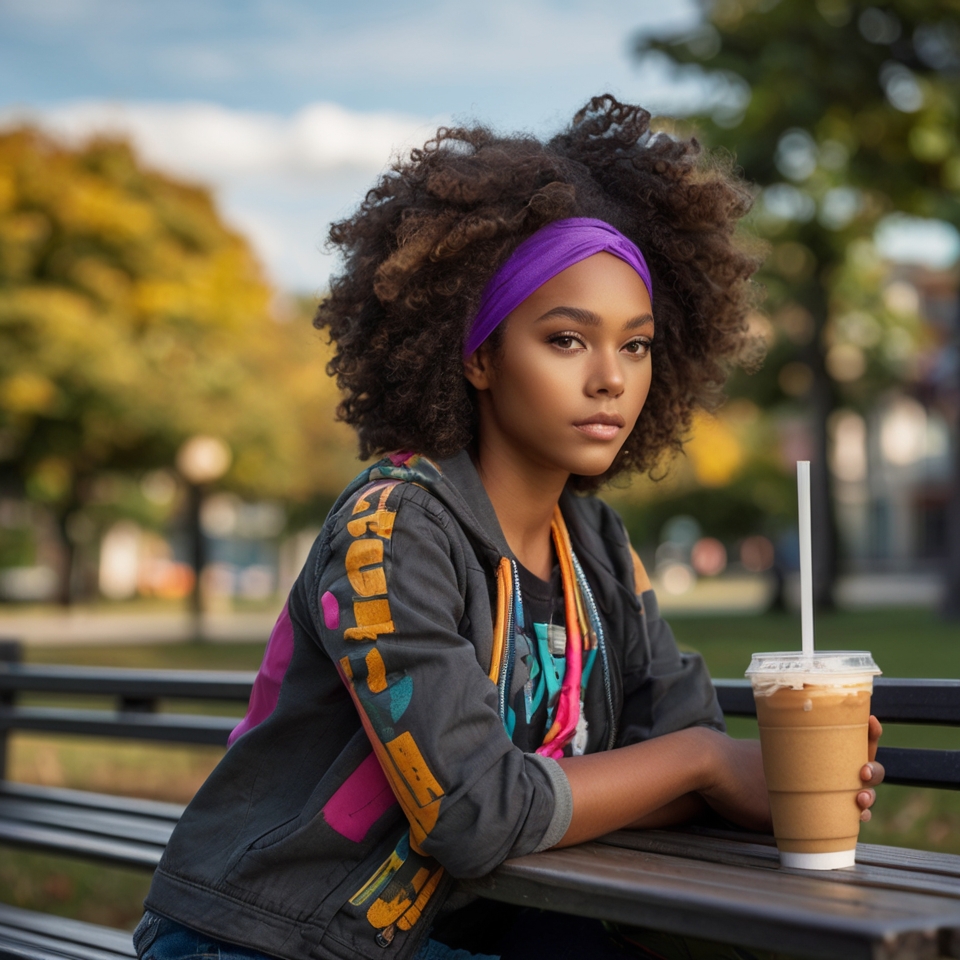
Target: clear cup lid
822,662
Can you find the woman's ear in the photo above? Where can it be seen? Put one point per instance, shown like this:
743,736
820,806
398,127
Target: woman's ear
476,368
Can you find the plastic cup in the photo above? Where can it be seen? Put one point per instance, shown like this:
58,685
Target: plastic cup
813,713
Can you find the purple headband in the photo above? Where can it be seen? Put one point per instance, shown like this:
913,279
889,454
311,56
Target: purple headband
541,257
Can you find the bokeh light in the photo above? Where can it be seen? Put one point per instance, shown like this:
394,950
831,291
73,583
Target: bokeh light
708,557
757,554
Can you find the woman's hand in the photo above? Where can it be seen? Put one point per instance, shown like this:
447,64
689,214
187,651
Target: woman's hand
738,790
872,772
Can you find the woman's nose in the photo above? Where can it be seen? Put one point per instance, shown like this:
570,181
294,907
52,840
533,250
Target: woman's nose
606,375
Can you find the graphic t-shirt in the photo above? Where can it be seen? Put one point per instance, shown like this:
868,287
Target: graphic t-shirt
541,645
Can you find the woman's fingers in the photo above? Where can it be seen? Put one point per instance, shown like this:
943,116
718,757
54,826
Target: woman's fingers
872,773
874,733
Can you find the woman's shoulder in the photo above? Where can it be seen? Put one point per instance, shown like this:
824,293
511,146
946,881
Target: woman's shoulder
389,546
383,506
415,495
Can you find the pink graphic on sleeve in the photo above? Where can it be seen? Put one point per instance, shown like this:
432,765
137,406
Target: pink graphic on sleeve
331,611
266,687
360,801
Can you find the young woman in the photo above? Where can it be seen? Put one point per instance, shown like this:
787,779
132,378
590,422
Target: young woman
472,664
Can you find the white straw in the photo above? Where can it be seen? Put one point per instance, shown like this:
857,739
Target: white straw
806,561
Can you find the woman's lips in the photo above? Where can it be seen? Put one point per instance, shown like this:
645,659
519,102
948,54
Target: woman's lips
603,426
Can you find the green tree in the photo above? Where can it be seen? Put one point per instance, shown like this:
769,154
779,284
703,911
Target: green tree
843,111
131,317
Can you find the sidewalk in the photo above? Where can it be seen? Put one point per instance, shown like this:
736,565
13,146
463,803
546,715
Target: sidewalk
744,594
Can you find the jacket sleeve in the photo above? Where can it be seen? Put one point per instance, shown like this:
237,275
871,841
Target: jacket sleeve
394,620
664,690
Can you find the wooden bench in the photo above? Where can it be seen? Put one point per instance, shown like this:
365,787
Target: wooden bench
124,831
717,884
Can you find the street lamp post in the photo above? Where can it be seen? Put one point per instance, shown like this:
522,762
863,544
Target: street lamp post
201,460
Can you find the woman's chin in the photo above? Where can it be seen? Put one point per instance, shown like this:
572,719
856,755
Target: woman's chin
593,467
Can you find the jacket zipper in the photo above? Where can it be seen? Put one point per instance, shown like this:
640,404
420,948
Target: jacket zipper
602,644
506,671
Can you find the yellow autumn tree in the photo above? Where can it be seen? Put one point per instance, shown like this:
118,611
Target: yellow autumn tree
131,317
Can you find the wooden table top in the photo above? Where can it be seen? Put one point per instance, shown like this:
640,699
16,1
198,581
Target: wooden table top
895,904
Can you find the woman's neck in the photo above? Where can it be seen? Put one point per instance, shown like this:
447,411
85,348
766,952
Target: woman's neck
524,502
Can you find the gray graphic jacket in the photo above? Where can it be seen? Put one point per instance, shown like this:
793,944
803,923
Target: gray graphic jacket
373,767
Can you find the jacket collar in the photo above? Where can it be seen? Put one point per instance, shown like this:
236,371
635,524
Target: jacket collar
456,483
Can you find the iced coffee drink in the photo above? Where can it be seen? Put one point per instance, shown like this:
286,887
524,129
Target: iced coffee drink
813,712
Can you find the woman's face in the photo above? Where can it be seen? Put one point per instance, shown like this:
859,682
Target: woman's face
565,390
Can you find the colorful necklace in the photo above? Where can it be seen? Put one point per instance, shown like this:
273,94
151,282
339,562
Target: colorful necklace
582,629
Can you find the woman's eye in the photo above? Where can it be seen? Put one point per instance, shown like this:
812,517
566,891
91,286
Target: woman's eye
565,341
639,348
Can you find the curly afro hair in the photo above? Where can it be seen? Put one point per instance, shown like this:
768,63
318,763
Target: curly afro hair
426,239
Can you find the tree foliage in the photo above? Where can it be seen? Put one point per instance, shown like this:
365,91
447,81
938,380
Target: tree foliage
842,111
132,317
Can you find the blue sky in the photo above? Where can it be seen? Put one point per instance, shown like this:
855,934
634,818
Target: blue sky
288,109
514,62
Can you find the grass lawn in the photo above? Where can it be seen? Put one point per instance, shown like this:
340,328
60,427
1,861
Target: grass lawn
905,643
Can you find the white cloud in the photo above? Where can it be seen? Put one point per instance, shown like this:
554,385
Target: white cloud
217,145
324,135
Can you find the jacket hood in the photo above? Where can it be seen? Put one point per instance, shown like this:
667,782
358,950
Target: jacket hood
455,483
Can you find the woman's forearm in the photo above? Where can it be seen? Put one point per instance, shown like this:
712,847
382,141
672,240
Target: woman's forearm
681,810
625,786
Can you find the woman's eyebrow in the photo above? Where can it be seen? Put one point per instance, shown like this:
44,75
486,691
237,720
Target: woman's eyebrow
577,314
588,318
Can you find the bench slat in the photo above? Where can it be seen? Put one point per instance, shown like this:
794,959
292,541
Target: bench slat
895,700
27,934
120,830
136,684
86,799
917,767
41,837
169,727
875,864
901,858
766,909
23,945
107,823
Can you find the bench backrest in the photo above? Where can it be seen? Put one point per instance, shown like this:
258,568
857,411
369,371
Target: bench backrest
138,694
932,702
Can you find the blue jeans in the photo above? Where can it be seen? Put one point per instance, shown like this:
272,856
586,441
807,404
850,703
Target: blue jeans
157,938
